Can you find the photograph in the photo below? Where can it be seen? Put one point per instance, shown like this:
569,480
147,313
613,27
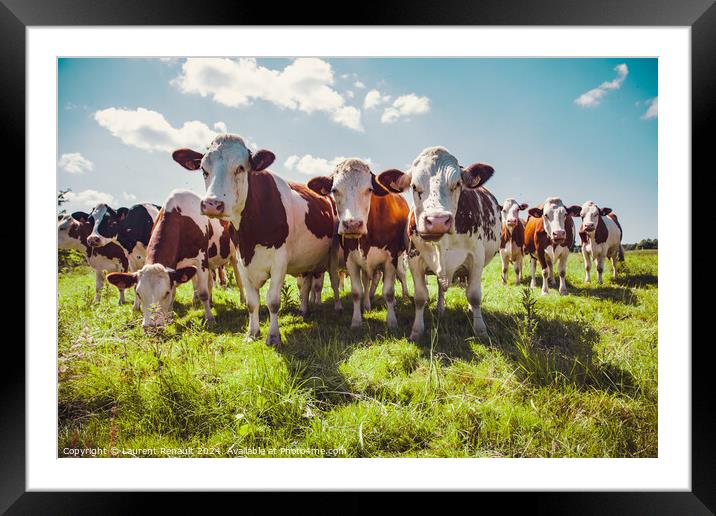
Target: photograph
357,257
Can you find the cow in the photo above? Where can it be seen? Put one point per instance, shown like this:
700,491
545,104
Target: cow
129,227
601,236
185,244
72,234
549,236
512,239
282,227
371,229
454,225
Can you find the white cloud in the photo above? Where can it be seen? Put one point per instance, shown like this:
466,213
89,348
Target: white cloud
359,85
313,166
653,109
374,98
129,197
594,97
304,85
149,130
74,163
221,127
405,105
86,200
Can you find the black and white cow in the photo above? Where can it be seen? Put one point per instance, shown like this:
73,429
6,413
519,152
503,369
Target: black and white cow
601,236
454,225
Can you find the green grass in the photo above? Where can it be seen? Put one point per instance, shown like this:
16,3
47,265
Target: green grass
574,377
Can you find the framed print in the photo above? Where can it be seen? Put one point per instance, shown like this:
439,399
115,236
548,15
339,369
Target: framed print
424,251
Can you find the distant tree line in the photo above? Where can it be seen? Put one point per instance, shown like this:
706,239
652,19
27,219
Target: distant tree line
647,243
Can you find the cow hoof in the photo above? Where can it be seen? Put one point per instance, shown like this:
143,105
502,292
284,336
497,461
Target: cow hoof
210,321
415,336
393,325
338,309
356,326
563,292
545,293
273,340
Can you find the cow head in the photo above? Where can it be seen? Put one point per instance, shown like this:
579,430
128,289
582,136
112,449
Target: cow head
225,167
436,180
106,224
555,213
591,215
156,289
352,186
71,233
511,213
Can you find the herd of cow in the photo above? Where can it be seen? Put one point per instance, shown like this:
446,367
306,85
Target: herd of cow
265,227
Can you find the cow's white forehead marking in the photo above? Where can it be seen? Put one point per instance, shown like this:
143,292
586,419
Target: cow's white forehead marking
509,202
351,167
435,161
229,148
553,203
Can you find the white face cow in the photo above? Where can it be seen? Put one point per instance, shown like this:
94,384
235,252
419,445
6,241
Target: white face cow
68,233
156,289
352,186
225,167
554,213
105,223
436,180
511,213
590,214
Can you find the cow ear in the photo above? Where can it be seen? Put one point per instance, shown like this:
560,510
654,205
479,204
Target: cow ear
122,213
322,185
535,212
80,216
605,211
183,274
394,180
122,280
476,175
378,189
523,206
574,210
261,160
187,158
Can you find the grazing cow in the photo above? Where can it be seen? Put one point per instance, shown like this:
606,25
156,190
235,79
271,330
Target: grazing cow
371,226
184,245
549,236
282,228
512,239
601,236
73,233
129,227
454,225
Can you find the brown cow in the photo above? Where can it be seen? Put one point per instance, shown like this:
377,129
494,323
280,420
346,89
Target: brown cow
549,236
512,239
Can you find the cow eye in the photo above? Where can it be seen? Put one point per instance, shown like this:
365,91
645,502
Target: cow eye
204,173
369,189
241,168
334,191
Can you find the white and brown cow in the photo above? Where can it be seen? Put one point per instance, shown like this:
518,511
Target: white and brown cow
601,236
371,227
282,228
454,225
549,237
185,244
73,233
512,239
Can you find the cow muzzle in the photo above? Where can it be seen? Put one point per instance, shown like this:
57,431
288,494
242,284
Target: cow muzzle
512,223
212,207
435,226
559,236
352,228
588,228
94,241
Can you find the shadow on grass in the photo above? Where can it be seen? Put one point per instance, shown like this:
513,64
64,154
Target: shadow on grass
637,280
621,294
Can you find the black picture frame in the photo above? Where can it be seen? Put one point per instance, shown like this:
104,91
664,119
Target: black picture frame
700,15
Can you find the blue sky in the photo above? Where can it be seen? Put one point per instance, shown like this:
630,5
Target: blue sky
581,129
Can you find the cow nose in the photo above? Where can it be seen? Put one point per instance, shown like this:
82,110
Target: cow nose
438,223
352,225
511,222
589,227
93,241
212,207
559,234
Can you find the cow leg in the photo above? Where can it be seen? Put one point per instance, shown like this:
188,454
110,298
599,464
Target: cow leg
203,284
317,289
98,284
587,265
210,287
562,269
366,282
374,284
389,293
239,283
420,295
518,270
357,291
401,277
615,259
222,277
336,283
441,300
505,265
600,269
552,281
546,267
137,306
252,304
305,293
533,266
195,285
474,298
273,298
